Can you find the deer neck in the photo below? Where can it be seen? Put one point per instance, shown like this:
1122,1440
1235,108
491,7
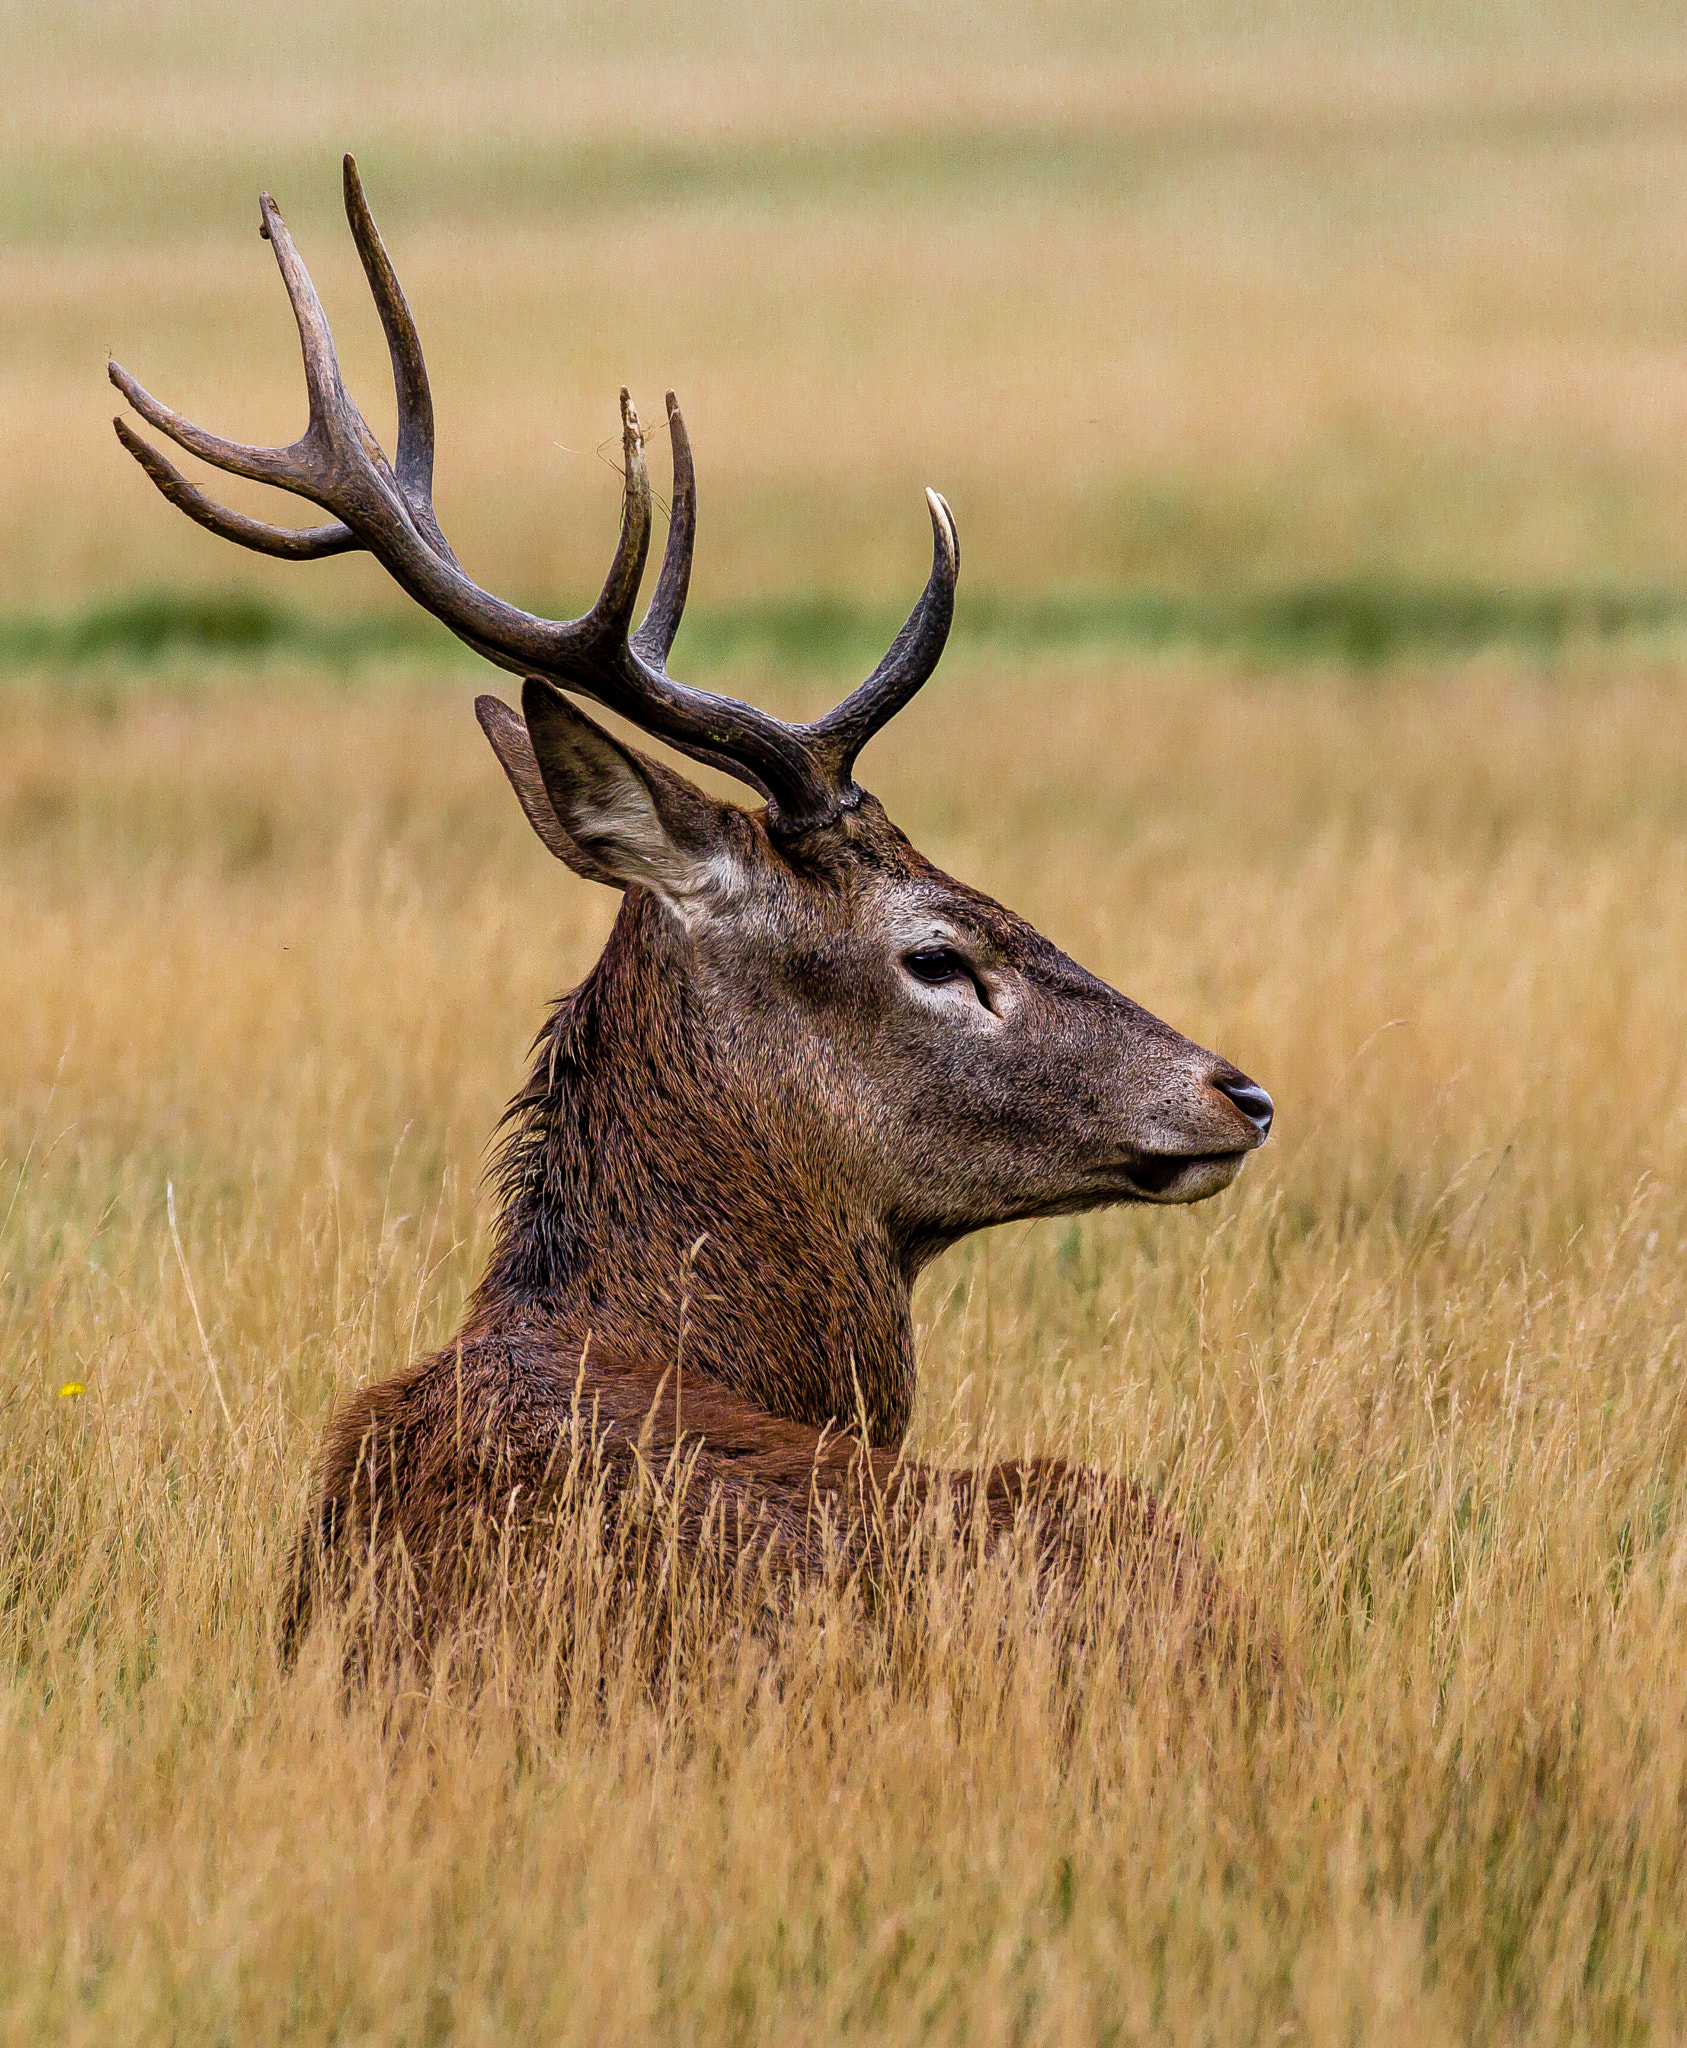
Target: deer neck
651,1197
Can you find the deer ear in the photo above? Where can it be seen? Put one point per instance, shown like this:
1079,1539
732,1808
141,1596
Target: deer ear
608,812
508,735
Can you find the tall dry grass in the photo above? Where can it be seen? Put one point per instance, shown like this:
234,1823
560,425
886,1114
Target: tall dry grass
1198,297
1417,1381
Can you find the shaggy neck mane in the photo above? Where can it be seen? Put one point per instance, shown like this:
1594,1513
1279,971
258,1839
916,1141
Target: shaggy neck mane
635,1137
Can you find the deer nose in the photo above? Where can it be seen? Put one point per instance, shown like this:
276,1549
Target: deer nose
1249,1097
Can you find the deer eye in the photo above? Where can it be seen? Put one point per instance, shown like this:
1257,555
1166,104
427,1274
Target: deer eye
935,965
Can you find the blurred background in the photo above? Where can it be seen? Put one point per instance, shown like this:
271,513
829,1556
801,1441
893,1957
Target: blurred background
1357,322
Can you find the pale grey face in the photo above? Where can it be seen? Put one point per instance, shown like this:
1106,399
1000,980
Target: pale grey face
972,1073
924,1049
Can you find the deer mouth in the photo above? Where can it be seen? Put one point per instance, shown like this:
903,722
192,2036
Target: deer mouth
1182,1176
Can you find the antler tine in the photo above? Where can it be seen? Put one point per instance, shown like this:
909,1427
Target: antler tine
413,461
262,465
655,637
293,543
610,617
299,467
908,664
326,393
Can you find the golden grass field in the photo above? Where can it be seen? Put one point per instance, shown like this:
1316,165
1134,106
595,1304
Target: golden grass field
1156,307
1418,1380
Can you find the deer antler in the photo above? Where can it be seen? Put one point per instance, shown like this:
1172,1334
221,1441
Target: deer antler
387,508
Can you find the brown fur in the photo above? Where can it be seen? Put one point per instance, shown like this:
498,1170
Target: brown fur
690,1268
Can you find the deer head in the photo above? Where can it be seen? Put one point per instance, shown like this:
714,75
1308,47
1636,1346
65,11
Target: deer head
864,1041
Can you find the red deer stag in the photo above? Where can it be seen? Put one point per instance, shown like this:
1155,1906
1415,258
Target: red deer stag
807,1062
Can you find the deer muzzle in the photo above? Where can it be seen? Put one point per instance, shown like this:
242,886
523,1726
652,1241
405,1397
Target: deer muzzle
1231,1118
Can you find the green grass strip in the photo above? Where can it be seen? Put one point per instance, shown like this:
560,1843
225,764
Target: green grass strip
1356,624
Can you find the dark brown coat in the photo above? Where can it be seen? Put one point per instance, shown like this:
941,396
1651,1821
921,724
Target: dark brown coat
806,1063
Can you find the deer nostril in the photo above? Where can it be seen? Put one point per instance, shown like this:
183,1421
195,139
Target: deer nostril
1249,1098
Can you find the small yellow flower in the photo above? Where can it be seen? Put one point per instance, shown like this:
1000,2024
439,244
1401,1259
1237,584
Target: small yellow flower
70,1390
